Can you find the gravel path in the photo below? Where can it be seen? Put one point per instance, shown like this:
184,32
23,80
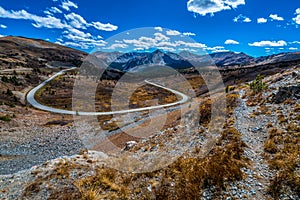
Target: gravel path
35,146
254,134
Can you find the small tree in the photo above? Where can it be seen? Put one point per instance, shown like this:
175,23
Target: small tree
9,92
258,85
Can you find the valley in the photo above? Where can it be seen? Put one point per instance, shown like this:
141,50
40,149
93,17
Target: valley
121,126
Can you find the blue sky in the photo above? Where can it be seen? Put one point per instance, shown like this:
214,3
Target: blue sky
256,27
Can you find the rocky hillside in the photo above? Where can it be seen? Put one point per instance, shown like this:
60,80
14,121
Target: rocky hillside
34,53
257,153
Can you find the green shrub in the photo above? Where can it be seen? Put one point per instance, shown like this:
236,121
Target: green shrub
9,92
258,85
5,118
4,79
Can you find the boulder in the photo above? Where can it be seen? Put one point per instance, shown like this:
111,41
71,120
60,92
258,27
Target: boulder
129,145
289,92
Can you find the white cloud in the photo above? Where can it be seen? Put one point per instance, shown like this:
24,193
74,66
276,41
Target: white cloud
158,28
276,17
52,11
83,44
138,49
3,26
204,7
229,41
173,32
262,20
217,49
77,32
161,37
242,18
55,10
162,42
116,46
295,42
72,20
48,22
187,49
167,48
297,18
84,40
190,44
76,20
103,27
247,20
189,34
293,48
2,35
68,4
279,43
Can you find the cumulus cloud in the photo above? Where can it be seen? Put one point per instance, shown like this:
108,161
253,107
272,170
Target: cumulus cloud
241,18
275,17
161,37
262,20
161,41
117,46
204,7
38,21
76,20
189,34
297,18
73,20
217,49
3,26
266,43
167,49
173,32
83,40
187,49
229,41
158,28
293,48
52,10
190,44
68,4
295,42
104,27
76,32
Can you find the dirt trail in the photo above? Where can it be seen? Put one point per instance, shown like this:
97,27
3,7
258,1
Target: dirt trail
254,134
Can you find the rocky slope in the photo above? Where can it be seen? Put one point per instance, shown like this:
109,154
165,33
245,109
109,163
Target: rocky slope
266,171
34,53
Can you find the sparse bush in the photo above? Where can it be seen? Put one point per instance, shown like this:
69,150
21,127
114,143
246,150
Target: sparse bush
4,79
5,118
9,92
258,85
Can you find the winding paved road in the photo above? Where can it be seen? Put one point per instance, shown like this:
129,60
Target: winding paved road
31,100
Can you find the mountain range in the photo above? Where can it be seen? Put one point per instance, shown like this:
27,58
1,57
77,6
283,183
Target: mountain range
130,61
26,52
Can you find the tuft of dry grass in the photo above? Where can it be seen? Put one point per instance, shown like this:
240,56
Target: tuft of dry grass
270,146
106,184
184,179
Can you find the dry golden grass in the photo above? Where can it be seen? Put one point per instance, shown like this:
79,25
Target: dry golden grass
106,184
270,146
184,179
285,147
